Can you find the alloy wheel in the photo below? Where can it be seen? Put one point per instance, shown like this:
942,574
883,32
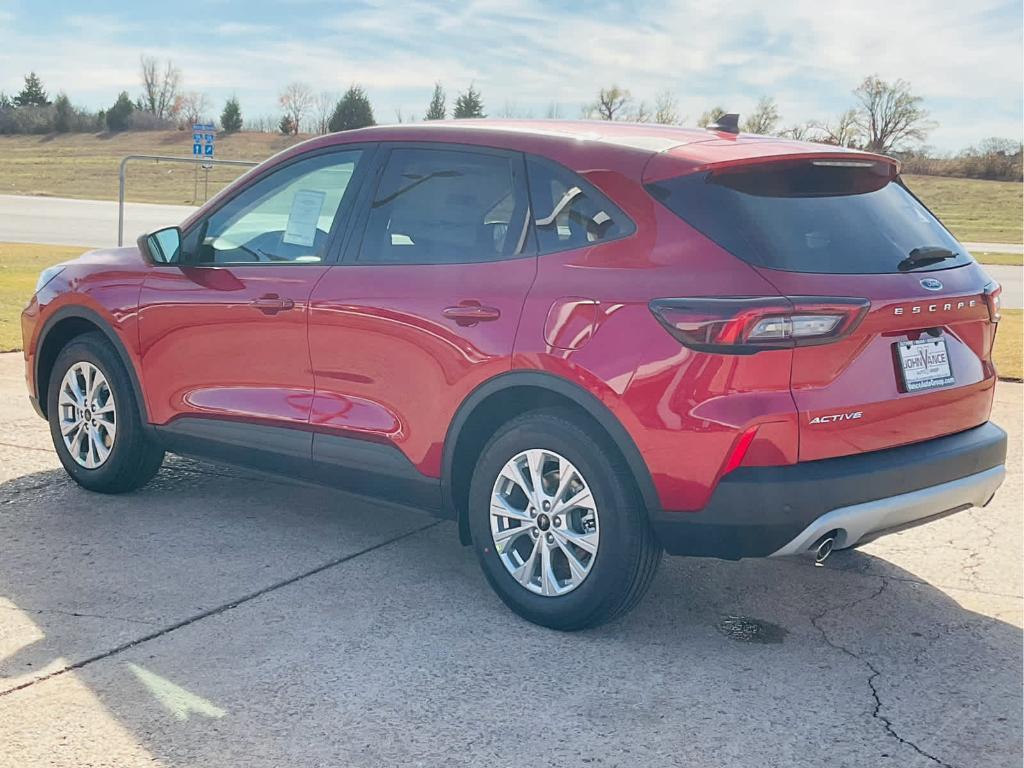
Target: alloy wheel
87,414
544,522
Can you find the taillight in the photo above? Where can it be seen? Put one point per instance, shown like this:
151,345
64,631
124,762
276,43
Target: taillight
743,326
993,298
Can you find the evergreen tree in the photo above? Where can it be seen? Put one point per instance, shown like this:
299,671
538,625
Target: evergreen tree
63,113
119,116
231,117
353,111
469,104
32,94
286,125
438,108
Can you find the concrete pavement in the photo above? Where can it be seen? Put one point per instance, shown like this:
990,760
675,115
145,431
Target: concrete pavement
1012,280
220,618
994,247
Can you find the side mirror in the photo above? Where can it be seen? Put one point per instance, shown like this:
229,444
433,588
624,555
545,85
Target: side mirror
162,246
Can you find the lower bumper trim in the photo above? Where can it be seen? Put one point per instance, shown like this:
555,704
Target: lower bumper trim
860,523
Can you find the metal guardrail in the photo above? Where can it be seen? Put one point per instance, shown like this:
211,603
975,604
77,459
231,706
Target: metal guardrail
199,161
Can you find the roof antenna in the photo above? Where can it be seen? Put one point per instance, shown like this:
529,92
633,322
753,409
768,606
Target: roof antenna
727,123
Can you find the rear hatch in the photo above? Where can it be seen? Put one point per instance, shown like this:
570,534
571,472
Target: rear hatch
915,363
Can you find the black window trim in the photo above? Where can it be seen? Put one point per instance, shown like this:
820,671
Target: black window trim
339,226
629,227
353,241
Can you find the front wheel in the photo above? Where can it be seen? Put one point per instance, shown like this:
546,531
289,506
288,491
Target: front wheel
557,523
94,420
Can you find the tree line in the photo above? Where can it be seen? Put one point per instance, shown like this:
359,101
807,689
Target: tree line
883,116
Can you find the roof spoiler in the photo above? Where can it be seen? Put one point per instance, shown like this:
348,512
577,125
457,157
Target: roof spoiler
727,123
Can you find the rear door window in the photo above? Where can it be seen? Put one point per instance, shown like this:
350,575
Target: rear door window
814,216
568,212
439,206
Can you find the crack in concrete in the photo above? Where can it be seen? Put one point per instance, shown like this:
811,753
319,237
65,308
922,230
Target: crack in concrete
876,713
974,560
901,579
27,447
218,609
76,615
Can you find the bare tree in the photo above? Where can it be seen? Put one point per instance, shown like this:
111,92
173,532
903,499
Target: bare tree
159,86
642,114
844,131
402,117
765,117
554,111
323,108
296,100
511,109
612,104
710,117
890,115
666,108
192,108
798,131
261,124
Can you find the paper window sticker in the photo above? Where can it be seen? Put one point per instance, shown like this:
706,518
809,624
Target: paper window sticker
304,217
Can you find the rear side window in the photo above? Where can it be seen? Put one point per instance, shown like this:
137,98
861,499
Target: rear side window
437,206
813,217
568,212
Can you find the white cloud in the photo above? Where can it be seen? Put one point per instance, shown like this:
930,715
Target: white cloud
808,55
241,28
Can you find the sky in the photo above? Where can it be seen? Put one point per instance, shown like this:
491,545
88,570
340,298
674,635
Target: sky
965,58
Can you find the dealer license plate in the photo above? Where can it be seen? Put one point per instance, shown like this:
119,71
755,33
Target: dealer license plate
924,364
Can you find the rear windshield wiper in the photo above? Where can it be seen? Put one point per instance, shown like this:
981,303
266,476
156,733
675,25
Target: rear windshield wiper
928,254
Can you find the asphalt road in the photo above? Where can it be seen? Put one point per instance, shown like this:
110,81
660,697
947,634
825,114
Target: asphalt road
90,223
1012,280
218,618
94,223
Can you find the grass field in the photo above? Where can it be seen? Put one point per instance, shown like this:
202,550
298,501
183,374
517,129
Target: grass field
1010,345
86,165
1004,259
973,209
20,266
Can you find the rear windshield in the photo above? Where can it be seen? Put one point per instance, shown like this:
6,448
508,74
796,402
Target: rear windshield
813,217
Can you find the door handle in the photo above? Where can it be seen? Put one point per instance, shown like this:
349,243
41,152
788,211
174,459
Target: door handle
271,304
471,313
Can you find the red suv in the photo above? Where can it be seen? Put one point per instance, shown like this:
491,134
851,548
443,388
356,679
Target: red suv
585,342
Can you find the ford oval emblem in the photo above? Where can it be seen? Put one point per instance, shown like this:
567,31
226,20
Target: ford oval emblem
931,284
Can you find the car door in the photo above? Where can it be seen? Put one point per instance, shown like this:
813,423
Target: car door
223,330
423,308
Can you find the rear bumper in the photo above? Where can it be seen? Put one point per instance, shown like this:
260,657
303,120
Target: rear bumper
764,511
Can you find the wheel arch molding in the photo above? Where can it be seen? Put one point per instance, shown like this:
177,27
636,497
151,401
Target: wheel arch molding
49,346
549,390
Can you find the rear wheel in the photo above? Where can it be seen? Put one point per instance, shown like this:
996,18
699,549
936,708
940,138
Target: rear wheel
94,419
557,524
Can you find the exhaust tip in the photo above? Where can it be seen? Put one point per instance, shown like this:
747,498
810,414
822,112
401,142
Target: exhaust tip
824,548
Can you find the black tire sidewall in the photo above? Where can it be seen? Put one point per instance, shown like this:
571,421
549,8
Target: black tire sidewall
619,514
111,474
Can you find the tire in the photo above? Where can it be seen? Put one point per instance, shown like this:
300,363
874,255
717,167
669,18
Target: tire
132,457
626,554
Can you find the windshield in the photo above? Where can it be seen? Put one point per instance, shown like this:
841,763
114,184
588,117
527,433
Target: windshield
812,217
